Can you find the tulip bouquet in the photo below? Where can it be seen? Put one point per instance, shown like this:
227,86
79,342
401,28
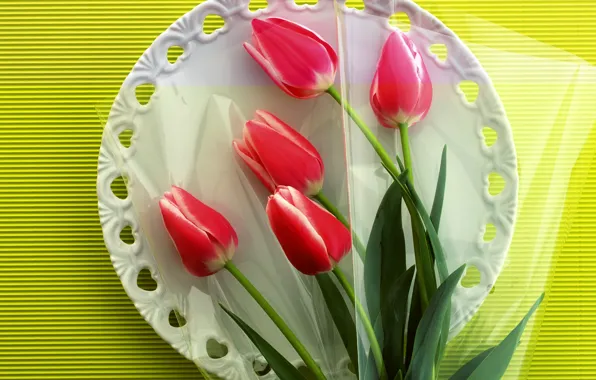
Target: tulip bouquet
400,328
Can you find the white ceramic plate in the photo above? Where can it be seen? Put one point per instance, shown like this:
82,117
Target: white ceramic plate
183,136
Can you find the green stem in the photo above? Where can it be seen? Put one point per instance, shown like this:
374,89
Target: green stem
405,145
368,327
277,319
388,164
325,202
370,136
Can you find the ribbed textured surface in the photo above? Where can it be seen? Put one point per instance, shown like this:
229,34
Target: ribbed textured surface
63,312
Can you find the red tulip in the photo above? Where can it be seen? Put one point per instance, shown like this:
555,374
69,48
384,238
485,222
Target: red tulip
401,91
279,155
298,60
314,240
202,236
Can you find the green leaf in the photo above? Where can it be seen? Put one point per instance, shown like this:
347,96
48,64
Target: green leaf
496,362
372,268
435,213
428,333
464,372
386,251
413,323
435,217
370,372
399,376
393,243
424,260
282,367
342,318
422,250
411,197
413,202
394,314
400,163
368,367
444,336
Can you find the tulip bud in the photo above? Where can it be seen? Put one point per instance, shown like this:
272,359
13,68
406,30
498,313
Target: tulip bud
204,239
298,60
401,91
314,240
279,155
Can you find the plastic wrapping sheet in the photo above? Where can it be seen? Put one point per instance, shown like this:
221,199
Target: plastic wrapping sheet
548,96
184,137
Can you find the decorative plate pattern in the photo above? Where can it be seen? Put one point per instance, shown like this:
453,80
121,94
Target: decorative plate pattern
475,161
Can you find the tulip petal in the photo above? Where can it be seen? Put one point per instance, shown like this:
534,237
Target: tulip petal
266,66
243,151
336,236
301,243
289,132
307,32
302,93
399,75
167,195
205,218
300,61
425,99
374,103
270,71
197,251
287,163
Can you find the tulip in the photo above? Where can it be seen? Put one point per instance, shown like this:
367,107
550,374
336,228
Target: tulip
204,239
206,242
279,155
312,238
298,60
401,91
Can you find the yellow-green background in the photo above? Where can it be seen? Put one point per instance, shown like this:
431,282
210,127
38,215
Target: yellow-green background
63,313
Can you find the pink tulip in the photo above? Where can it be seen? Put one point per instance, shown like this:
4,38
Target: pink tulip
203,237
314,240
298,60
401,91
279,155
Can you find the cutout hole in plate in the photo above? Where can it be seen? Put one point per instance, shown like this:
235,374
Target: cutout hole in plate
118,187
127,236
400,20
496,183
255,5
176,319
143,93
145,281
471,277
304,2
490,232
490,136
173,53
470,90
261,367
440,51
212,23
216,350
125,136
